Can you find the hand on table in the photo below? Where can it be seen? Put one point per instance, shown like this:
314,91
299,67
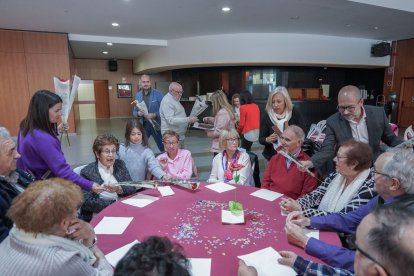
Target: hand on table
296,235
81,230
288,258
288,205
297,218
97,189
245,270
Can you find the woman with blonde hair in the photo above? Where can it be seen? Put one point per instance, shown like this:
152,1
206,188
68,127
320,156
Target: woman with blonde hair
279,113
223,119
47,238
231,161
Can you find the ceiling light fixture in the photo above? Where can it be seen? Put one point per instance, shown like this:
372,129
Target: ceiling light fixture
109,43
376,28
114,24
296,17
225,9
105,52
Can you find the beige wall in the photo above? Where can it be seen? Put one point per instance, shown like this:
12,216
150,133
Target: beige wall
30,60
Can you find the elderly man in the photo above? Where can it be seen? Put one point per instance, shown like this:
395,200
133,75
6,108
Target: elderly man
383,247
394,183
12,181
282,175
172,113
367,124
152,99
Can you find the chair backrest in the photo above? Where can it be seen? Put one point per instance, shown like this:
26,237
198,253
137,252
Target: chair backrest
78,169
409,133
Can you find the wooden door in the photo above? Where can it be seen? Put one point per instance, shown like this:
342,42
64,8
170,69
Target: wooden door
101,92
406,103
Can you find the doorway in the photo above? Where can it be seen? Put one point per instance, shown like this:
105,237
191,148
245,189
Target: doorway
93,99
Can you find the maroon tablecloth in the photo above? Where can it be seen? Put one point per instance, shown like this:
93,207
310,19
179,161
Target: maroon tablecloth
193,219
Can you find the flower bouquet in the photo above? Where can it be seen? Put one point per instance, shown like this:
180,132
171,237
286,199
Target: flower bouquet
235,207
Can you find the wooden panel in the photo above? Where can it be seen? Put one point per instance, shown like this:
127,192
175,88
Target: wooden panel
45,43
100,88
41,68
406,104
11,42
313,93
14,96
296,93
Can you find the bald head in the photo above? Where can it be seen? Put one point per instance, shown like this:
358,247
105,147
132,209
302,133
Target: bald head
349,92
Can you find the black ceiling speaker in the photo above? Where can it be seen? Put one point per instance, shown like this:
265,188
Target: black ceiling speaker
381,49
113,65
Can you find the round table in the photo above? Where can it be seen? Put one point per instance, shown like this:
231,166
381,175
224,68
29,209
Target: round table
193,219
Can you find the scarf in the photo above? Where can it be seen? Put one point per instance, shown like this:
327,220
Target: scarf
43,240
279,120
337,196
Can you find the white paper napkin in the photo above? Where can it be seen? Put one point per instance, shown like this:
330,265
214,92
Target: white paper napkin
140,200
266,194
220,187
116,255
112,225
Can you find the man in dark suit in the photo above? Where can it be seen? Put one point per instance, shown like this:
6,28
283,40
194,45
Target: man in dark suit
353,120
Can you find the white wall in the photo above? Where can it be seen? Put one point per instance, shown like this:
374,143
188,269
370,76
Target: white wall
86,93
260,49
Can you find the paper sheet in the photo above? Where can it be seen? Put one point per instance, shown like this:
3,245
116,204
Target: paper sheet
116,255
266,194
112,225
220,187
311,233
165,190
140,200
265,262
203,126
200,266
228,217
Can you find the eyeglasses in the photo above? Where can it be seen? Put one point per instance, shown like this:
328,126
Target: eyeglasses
340,157
383,174
179,92
350,108
232,140
366,255
170,143
109,152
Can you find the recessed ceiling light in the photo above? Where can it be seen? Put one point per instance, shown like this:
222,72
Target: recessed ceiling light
225,9
348,25
376,28
109,43
115,24
105,52
294,17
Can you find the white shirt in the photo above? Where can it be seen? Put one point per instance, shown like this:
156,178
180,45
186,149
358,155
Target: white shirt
173,116
107,176
359,129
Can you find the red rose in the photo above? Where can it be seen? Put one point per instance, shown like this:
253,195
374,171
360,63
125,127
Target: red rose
236,167
228,174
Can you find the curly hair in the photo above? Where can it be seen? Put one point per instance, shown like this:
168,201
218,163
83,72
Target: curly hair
44,204
102,140
156,256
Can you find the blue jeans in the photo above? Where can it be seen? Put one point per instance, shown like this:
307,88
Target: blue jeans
149,130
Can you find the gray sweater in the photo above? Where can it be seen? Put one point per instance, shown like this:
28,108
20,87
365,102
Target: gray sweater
138,160
21,258
173,116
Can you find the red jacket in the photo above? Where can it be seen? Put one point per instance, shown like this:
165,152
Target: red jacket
291,182
249,118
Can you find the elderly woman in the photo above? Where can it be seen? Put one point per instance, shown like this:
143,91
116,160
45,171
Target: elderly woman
249,123
231,163
175,162
223,119
343,191
279,113
106,170
47,238
282,175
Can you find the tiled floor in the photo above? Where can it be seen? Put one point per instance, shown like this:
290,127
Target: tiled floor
80,151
